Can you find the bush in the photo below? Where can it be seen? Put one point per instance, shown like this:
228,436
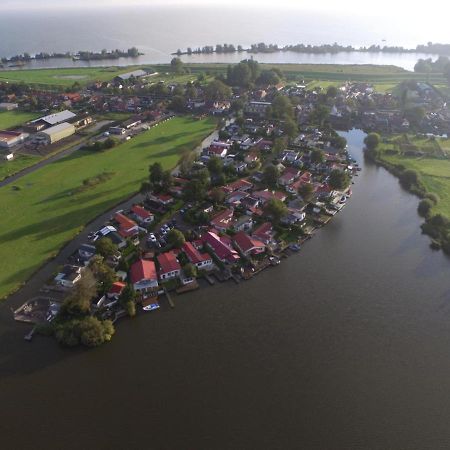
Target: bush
433,197
424,207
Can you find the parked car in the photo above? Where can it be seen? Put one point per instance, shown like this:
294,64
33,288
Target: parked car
151,238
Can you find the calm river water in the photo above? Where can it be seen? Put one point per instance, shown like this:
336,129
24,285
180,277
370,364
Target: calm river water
343,346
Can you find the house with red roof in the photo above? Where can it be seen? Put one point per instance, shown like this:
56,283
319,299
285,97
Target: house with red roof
288,176
266,195
224,220
169,267
305,178
162,199
142,215
200,260
248,245
264,233
221,247
116,290
238,185
218,148
127,227
143,276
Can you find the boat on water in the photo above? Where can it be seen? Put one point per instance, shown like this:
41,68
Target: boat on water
294,247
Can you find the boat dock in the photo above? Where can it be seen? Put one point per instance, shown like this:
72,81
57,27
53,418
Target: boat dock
169,298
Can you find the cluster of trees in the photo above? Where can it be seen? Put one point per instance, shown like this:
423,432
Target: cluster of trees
441,65
74,324
98,146
209,49
339,180
248,73
159,180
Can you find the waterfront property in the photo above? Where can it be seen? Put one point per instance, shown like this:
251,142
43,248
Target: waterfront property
57,209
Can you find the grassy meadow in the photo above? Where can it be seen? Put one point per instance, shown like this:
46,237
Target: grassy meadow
13,119
47,208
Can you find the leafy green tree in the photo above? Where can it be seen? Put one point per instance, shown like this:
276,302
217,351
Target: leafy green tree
306,191
282,107
105,247
176,238
217,90
268,77
320,114
410,178
178,104
270,175
276,209
332,92
190,270
195,190
217,196
156,173
279,145
103,273
215,165
177,66
425,207
78,303
339,180
145,188
372,141
415,115
128,300
167,180
290,128
317,156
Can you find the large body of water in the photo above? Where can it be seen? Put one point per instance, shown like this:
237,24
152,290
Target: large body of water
159,31
343,346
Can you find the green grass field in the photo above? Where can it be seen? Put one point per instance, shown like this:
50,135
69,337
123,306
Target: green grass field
12,119
434,171
8,168
44,211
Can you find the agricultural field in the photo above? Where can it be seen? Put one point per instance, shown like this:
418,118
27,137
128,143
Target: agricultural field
13,119
433,165
20,162
63,77
47,208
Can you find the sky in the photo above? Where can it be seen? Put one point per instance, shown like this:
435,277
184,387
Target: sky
367,7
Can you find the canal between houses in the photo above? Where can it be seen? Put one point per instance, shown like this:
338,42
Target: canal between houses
346,345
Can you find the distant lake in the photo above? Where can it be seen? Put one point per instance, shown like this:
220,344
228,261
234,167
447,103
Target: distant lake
158,32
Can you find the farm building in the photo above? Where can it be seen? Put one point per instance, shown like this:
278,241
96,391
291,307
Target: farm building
56,133
9,139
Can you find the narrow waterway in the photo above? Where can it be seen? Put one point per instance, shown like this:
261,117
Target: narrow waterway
343,346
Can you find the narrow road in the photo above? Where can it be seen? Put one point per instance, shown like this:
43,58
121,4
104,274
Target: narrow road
35,282
40,164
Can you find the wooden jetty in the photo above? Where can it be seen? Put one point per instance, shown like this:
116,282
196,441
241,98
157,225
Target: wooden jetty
169,298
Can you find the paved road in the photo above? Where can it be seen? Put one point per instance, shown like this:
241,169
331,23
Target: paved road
34,284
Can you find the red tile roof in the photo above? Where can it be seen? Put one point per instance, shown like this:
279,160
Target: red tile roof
117,288
267,195
264,232
168,262
248,244
141,212
220,248
124,221
193,254
223,220
143,270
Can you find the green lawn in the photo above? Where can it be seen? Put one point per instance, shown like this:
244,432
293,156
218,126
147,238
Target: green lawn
63,77
12,119
434,172
20,162
44,211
